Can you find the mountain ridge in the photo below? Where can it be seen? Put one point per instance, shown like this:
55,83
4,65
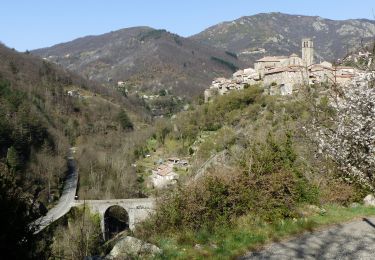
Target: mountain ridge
144,58
148,60
252,37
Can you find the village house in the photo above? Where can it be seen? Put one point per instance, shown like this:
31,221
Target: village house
163,176
282,81
321,73
120,83
282,75
164,173
73,93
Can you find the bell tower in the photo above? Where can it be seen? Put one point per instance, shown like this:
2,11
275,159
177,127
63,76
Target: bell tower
307,51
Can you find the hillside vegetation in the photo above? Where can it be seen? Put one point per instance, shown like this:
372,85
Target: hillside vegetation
40,121
256,167
271,172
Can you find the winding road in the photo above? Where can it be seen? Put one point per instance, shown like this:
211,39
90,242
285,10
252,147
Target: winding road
66,200
353,240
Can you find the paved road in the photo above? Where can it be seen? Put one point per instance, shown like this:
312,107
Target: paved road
66,200
354,240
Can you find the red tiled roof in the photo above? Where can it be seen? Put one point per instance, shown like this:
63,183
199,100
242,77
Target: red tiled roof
164,170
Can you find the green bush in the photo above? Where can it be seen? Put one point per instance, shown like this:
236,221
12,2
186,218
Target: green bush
212,116
271,187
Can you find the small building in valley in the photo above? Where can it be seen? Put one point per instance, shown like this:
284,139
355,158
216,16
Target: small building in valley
163,176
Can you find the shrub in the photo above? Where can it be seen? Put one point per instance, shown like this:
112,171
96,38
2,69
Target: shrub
271,188
124,120
13,160
162,92
80,237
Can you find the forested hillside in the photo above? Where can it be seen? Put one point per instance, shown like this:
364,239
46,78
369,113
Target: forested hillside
40,121
145,59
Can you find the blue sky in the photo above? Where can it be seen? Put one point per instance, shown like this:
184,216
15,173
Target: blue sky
31,24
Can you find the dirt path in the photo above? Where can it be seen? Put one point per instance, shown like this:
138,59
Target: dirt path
353,240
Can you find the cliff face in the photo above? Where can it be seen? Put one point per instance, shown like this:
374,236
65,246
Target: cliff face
252,37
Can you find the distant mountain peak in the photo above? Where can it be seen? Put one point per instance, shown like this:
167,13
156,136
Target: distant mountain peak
279,33
152,59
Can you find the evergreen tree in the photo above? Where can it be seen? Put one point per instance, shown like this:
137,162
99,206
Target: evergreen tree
13,160
17,240
124,120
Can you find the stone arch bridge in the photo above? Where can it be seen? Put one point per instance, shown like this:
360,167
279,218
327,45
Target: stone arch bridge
137,209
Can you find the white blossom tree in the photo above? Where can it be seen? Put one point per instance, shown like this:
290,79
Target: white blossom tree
348,136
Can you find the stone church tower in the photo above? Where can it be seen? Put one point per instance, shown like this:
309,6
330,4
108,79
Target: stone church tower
307,51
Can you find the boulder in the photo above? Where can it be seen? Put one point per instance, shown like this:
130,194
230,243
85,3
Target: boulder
369,200
355,205
131,247
309,210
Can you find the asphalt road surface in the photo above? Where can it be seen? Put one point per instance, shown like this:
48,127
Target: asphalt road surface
353,240
66,200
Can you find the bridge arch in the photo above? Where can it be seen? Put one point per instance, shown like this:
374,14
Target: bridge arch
116,220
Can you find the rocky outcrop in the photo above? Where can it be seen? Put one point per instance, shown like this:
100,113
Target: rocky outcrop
131,247
369,200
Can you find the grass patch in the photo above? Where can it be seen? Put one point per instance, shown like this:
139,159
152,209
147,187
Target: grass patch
248,233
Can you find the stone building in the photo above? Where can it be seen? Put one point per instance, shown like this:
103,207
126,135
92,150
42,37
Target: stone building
163,176
270,62
307,52
283,74
321,73
284,80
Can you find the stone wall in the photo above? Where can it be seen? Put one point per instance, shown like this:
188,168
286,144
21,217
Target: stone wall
286,78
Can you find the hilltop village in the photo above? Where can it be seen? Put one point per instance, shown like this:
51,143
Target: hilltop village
283,74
